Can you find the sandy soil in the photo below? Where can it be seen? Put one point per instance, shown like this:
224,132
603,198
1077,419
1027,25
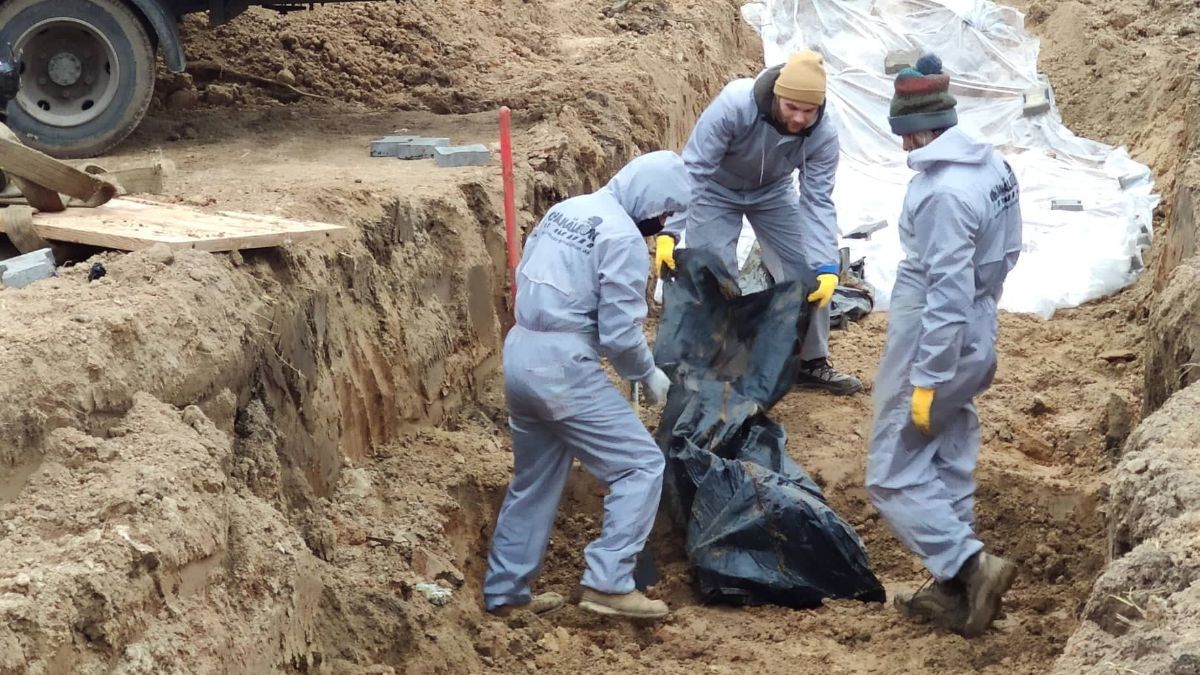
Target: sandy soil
272,461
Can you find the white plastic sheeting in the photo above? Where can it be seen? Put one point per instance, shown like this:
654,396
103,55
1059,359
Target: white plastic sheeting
1068,257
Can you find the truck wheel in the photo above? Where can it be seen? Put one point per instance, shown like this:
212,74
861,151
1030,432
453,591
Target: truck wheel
87,73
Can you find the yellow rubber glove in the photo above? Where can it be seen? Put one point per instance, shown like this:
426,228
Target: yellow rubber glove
664,253
824,293
922,401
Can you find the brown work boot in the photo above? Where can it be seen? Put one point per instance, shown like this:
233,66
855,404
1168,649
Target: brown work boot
540,604
631,605
986,578
943,604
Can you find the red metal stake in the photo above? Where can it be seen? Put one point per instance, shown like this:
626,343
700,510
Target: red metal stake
510,207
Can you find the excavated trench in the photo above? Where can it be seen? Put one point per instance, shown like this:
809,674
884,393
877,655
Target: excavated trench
284,509
344,446
289,461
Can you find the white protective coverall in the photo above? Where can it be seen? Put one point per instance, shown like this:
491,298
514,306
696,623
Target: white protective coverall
581,294
741,163
961,232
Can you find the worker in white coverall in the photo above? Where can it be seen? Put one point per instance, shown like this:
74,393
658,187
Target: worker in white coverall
581,294
960,229
742,155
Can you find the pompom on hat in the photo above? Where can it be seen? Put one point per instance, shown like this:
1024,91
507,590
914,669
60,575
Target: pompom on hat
922,100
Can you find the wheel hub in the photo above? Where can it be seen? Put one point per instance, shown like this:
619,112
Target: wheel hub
69,72
65,69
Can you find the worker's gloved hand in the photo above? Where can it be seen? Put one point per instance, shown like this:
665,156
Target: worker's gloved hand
657,386
922,401
824,293
664,253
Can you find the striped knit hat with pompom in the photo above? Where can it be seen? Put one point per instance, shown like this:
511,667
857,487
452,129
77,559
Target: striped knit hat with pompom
922,101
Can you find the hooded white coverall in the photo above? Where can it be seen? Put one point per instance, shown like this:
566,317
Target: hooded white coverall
581,289
741,164
960,228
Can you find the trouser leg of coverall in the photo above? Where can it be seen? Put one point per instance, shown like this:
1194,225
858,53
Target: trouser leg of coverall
613,445
540,466
815,344
922,485
714,223
776,222
958,473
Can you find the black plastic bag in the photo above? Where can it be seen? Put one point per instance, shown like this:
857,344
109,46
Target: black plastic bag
758,528
852,299
849,304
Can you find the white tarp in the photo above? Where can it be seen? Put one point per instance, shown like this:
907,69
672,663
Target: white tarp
1069,257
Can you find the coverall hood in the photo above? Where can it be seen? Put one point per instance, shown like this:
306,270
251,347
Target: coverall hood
953,146
652,185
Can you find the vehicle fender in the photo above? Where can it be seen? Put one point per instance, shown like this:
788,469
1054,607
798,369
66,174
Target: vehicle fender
167,30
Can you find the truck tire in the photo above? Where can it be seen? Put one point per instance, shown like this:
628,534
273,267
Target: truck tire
87,73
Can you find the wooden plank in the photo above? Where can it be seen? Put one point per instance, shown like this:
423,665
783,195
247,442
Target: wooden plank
138,179
134,224
37,196
43,170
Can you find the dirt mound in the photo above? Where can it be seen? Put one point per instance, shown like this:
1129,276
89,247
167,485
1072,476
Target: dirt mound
650,63
1122,74
108,329
1143,610
1173,347
455,56
182,542
119,542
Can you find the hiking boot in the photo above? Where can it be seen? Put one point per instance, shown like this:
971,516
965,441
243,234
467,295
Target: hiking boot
540,604
943,604
986,579
818,374
631,605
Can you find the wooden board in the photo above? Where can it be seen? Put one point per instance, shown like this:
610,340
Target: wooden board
134,224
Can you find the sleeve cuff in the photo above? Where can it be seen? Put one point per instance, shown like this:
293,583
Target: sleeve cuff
646,376
918,378
827,269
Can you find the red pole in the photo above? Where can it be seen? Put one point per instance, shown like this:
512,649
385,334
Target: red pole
510,208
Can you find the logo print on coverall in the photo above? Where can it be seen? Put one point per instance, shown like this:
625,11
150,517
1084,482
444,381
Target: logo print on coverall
579,235
1004,194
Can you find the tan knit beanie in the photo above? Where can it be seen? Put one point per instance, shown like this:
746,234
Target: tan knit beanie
802,78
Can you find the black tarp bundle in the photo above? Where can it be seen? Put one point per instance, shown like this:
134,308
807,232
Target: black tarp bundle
758,528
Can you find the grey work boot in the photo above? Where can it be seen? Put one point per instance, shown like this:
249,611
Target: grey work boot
986,579
818,374
540,604
942,603
631,605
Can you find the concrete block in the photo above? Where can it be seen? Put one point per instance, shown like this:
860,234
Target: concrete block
1066,205
899,59
27,268
389,146
406,147
421,148
1037,100
1130,179
1143,239
462,155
